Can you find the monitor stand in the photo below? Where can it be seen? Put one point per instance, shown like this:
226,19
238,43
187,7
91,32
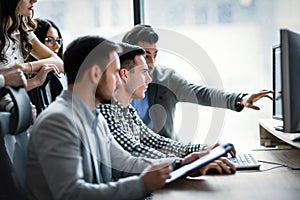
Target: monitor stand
270,136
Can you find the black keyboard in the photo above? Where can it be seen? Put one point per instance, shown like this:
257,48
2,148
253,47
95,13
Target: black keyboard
245,161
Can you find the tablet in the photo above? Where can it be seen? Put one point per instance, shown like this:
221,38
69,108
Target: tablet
191,167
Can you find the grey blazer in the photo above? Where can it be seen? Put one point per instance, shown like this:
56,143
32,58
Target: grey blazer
60,165
168,88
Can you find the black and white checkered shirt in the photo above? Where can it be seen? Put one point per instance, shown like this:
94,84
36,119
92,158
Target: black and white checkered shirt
135,137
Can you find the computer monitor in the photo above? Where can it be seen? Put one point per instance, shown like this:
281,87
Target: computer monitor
286,81
277,86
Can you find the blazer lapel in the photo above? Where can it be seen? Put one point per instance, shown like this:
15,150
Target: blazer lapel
94,152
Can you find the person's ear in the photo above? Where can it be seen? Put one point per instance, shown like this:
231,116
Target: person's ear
123,74
95,74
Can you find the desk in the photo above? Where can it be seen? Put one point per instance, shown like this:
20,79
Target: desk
280,183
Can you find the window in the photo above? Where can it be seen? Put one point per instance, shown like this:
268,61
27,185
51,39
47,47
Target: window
77,17
237,36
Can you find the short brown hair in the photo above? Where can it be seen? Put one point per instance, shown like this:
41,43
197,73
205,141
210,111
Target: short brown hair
141,33
128,54
86,51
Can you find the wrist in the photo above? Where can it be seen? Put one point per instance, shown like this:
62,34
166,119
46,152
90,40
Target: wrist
24,67
27,68
239,101
30,67
34,82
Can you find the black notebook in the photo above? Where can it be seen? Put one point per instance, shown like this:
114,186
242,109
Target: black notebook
197,164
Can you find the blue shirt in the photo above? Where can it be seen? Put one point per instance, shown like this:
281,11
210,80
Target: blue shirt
142,108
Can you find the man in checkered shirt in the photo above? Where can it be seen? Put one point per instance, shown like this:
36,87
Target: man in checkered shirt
123,120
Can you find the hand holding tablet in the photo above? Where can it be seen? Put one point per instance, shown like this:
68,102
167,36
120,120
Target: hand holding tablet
201,162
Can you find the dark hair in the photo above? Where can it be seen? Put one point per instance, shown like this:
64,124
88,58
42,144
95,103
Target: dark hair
141,33
128,54
21,23
86,51
41,30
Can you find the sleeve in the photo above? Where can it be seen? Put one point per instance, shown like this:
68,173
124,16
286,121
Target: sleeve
165,145
125,139
119,156
199,94
59,152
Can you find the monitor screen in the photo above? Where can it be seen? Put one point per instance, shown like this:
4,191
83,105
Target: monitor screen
290,71
277,83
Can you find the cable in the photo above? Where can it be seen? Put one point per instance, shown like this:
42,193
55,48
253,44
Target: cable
270,169
280,165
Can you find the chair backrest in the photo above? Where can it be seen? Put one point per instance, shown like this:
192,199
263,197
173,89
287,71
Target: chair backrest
14,125
39,96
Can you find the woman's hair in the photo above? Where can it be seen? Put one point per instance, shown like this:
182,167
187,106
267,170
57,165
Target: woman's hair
41,30
22,23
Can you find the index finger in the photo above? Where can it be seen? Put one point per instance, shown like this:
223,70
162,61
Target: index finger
55,69
227,162
266,91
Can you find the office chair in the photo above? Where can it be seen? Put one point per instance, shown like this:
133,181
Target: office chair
13,126
39,96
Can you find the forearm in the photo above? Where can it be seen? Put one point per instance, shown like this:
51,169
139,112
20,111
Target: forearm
176,149
35,67
147,152
200,94
194,148
136,148
165,145
172,147
32,83
55,60
208,96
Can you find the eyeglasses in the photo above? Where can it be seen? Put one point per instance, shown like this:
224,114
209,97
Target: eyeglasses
52,41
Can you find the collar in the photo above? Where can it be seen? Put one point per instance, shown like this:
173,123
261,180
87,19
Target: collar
128,112
122,108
